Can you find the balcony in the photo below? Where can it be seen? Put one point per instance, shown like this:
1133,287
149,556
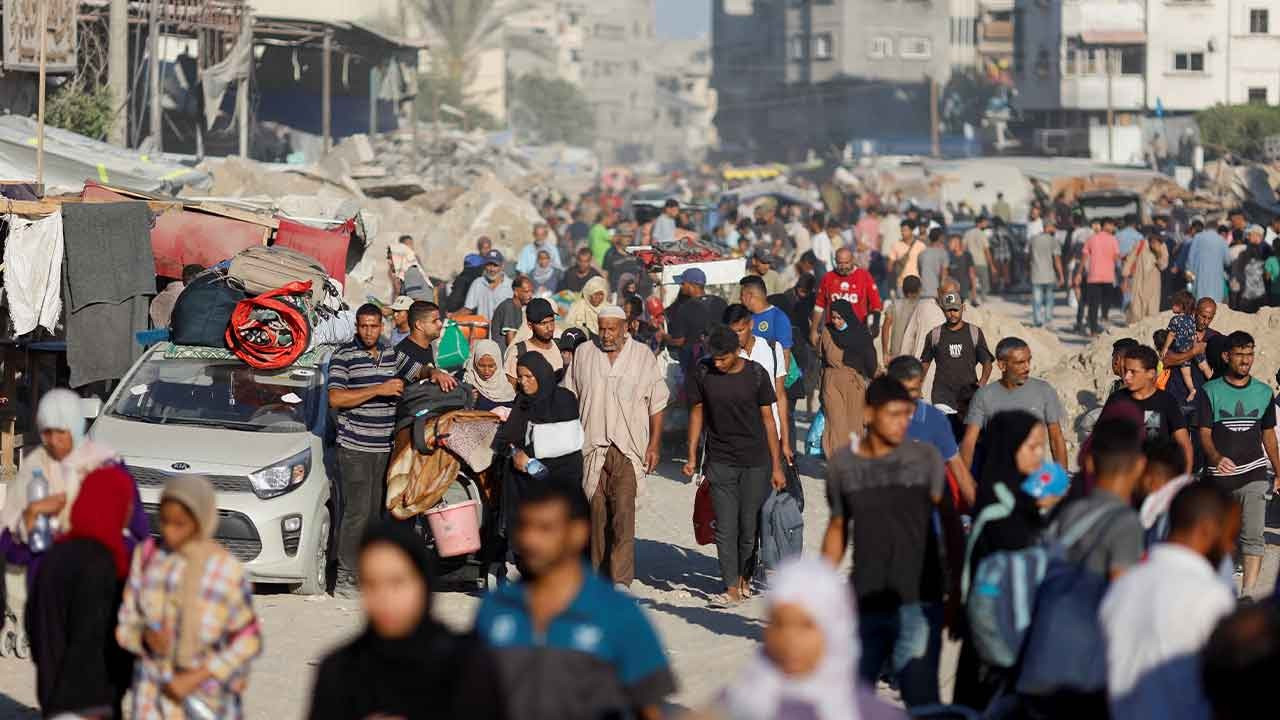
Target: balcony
997,5
995,37
1089,92
1104,17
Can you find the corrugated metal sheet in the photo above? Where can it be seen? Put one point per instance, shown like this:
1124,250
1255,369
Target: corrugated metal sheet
71,159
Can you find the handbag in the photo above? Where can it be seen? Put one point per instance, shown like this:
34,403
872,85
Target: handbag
704,512
454,348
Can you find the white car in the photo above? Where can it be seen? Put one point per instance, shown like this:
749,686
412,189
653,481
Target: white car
258,435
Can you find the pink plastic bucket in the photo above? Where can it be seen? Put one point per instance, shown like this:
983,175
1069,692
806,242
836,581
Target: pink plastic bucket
456,528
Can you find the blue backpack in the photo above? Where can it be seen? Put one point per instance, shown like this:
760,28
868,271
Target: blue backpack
1002,600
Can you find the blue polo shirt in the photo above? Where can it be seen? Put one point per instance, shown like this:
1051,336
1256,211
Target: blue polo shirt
598,657
773,324
930,425
368,427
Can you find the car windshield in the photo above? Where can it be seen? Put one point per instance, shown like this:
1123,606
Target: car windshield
220,393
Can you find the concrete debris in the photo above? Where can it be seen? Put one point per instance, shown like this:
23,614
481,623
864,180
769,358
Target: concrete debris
437,159
1046,349
486,208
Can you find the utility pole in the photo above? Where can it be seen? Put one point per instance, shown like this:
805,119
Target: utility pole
118,71
153,43
935,145
1111,115
242,93
44,42
326,92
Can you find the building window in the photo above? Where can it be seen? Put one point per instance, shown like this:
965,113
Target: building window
915,48
1258,22
881,48
1188,62
1069,67
822,47
1091,57
795,48
1133,60
1257,96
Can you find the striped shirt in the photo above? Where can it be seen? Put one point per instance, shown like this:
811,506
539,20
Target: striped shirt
368,426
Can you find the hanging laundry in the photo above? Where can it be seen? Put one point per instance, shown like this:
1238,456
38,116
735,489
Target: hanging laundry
33,273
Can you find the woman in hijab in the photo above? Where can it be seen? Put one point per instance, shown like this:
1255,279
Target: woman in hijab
188,613
404,664
627,287
545,276
71,611
1016,450
848,363
493,391
543,424
807,667
584,311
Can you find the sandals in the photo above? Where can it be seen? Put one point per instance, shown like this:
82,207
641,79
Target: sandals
722,601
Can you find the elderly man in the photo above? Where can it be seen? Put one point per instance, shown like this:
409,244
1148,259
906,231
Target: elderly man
622,391
1016,390
528,259
489,290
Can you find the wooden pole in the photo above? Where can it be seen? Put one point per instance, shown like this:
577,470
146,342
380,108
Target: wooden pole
153,43
935,145
118,72
374,79
44,42
242,99
326,91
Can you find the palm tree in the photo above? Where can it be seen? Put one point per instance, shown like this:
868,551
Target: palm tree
458,32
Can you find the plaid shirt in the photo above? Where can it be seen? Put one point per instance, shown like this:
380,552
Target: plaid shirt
229,633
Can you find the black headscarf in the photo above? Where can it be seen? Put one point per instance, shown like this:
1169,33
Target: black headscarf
855,340
1002,437
551,403
431,673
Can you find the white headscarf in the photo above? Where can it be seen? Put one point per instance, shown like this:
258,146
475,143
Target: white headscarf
832,688
497,388
59,409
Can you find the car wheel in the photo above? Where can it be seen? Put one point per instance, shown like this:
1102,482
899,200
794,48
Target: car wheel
318,569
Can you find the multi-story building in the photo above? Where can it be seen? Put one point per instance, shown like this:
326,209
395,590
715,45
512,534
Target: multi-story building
1252,38
685,130
964,33
995,40
618,77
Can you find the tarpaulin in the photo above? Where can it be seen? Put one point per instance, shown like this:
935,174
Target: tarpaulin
328,247
189,238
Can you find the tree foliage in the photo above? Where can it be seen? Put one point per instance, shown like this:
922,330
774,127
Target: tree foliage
438,88
1238,129
458,32
552,110
81,108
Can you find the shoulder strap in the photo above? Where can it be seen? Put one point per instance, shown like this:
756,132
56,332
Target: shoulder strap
1079,528
935,336
974,333
522,347
999,510
773,359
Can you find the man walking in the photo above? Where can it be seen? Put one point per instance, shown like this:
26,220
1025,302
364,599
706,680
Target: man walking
930,425
846,282
934,263
568,646
664,228
425,326
762,267
490,289
1101,253
735,398
1208,259
599,239
979,246
1017,390
904,258
1157,617
1161,412
767,321
508,317
896,317
621,391
366,378
770,356
692,314
1045,255
541,321
888,489
958,348
1237,419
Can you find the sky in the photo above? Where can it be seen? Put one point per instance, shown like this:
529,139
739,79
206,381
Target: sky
683,18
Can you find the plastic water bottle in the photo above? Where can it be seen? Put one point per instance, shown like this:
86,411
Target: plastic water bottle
536,469
40,536
196,709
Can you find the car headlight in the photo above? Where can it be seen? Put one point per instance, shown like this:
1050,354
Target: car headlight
280,478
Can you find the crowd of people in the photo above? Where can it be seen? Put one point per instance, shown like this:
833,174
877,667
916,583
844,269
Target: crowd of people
1110,591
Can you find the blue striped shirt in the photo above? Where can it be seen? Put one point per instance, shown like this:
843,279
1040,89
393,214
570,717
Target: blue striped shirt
368,426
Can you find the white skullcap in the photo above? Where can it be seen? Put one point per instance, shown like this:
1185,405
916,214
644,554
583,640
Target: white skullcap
612,311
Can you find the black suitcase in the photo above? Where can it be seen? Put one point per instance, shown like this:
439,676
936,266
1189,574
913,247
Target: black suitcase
422,398
203,310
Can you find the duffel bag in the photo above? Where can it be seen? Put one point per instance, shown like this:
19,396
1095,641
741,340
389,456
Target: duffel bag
424,398
203,310
270,331
261,269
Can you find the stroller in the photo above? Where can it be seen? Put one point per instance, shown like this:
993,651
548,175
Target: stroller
440,466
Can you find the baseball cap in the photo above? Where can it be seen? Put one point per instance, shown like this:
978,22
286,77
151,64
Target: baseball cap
570,339
763,255
493,257
402,303
692,275
952,301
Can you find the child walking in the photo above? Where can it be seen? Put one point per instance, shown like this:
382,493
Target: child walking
188,614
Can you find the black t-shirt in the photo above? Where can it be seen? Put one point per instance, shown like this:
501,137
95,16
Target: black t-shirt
959,271
956,357
690,318
731,405
415,352
1161,413
889,500
574,282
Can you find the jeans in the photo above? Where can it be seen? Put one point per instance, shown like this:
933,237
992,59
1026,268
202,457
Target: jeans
910,639
1098,296
737,494
363,476
1042,304
984,283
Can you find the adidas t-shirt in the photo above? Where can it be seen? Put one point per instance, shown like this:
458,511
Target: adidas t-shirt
1237,417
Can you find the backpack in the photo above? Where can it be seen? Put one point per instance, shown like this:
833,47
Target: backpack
935,335
781,529
1255,281
203,310
999,605
261,269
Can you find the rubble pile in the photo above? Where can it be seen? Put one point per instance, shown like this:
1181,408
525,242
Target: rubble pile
1045,346
401,167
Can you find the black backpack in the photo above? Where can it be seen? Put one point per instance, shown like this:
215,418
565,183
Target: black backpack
203,310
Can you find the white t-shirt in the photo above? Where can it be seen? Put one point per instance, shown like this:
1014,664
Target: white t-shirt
1156,618
777,367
